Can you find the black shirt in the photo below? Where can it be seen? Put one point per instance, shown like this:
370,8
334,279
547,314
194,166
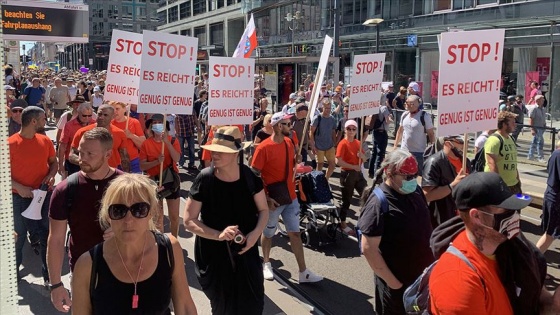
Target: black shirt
390,97
256,114
262,135
196,107
405,231
400,102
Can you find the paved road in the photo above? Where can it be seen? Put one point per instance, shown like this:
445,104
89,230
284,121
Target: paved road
348,285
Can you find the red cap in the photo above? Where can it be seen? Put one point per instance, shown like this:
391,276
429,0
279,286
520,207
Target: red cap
409,166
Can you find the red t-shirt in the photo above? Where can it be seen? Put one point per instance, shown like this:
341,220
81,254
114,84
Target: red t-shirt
457,289
68,133
135,128
83,216
29,159
348,152
119,142
270,159
151,151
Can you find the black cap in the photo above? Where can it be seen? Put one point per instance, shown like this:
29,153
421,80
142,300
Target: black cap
511,98
487,189
18,103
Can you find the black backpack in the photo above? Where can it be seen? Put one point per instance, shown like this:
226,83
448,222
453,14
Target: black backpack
479,161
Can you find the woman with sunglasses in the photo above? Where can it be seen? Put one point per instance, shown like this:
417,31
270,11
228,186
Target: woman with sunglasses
134,134
139,270
349,153
265,132
227,211
395,230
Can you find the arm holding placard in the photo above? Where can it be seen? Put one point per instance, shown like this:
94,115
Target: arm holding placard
398,137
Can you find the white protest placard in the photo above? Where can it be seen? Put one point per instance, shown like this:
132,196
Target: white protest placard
230,96
123,71
366,87
168,71
321,71
470,72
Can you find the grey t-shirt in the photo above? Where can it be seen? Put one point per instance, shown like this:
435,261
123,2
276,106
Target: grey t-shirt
384,114
414,135
324,133
538,115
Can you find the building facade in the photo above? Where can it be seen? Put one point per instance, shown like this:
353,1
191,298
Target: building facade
289,47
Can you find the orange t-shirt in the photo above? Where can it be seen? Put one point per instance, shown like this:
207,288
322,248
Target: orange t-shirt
135,128
457,289
270,159
151,151
119,142
348,152
29,159
457,164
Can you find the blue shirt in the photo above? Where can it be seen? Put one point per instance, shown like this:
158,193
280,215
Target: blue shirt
33,95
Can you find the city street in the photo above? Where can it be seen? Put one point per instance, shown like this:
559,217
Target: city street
348,285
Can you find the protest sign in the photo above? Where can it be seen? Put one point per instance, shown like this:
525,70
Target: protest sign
123,71
321,71
230,96
366,85
167,75
470,68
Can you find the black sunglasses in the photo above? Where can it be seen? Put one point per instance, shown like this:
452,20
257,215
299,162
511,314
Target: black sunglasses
408,177
17,110
138,210
286,124
86,115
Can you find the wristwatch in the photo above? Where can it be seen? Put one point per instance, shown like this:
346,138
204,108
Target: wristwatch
56,285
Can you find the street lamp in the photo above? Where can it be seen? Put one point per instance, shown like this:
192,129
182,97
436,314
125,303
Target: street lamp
294,19
375,22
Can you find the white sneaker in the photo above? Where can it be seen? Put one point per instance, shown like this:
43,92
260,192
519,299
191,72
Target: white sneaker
541,160
308,276
267,271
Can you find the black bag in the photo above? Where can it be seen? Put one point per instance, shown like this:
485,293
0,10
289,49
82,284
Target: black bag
279,190
479,161
170,184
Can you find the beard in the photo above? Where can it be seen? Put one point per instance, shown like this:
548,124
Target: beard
90,167
286,133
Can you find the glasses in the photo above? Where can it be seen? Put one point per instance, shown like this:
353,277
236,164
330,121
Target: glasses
15,111
289,124
351,129
408,177
86,115
138,210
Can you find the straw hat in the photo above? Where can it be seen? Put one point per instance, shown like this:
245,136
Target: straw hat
227,140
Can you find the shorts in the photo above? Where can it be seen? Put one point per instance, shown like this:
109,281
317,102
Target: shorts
290,217
551,218
330,154
58,112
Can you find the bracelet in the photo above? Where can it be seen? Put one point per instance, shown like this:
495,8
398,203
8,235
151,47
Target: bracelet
54,286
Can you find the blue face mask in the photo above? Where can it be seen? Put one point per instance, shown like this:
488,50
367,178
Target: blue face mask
408,186
157,128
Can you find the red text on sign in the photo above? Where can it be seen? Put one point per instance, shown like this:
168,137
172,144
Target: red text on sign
366,88
128,46
468,116
169,50
231,112
158,99
121,89
231,71
470,87
364,105
167,77
471,52
231,93
369,67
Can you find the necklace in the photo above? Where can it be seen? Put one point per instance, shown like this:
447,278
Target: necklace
135,297
96,181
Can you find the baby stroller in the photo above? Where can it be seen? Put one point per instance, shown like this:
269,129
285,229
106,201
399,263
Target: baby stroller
319,215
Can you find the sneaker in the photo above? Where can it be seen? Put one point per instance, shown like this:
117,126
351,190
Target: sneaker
530,158
267,271
541,160
308,277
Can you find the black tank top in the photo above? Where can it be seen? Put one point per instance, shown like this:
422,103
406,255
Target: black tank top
112,296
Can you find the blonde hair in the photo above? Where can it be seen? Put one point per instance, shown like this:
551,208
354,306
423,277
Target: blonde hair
266,120
128,187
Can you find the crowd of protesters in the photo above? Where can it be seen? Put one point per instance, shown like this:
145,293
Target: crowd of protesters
101,144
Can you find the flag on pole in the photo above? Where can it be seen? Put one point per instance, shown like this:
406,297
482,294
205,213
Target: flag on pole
248,41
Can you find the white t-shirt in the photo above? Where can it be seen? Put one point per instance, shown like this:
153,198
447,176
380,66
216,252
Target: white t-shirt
64,119
171,121
481,140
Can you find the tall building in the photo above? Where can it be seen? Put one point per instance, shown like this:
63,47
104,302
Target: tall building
105,16
291,32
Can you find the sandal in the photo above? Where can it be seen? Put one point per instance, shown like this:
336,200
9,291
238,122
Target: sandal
349,231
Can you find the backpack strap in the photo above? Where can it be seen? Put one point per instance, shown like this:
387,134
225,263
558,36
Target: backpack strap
71,187
455,252
501,142
169,247
95,253
384,208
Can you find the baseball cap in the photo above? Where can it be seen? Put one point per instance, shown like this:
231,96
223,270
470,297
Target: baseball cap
18,103
96,88
293,96
414,86
8,87
390,85
503,107
511,98
487,189
278,117
350,122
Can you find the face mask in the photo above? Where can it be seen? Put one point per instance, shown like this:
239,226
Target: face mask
157,128
408,186
507,223
458,153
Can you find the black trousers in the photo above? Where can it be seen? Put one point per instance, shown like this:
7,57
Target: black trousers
388,301
380,141
350,180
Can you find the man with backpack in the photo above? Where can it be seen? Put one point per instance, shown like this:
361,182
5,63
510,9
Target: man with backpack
75,201
379,126
415,125
322,138
35,94
500,152
494,269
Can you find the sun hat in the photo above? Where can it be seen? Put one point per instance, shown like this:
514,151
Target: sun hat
79,99
227,139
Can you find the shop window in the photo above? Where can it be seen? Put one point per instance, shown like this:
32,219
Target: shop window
200,33
217,33
440,5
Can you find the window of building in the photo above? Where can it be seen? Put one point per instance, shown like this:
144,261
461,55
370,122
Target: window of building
162,16
440,5
173,14
200,33
483,2
231,2
126,11
199,7
185,10
186,32
217,33
141,13
220,3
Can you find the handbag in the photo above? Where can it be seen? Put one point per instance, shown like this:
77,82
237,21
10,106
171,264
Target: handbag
170,184
279,190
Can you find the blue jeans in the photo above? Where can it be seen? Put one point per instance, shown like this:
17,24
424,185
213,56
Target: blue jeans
538,144
190,148
380,141
38,230
419,156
